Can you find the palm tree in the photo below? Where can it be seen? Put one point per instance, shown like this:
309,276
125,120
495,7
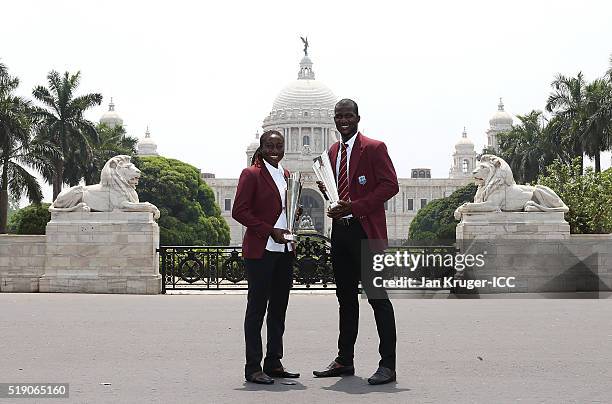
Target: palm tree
111,141
62,121
17,148
567,105
597,131
525,147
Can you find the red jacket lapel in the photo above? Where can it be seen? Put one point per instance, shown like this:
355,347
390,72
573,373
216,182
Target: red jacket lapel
333,155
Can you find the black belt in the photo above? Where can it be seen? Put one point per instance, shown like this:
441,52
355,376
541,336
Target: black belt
346,221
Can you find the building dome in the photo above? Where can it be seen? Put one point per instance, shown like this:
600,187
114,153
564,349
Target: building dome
111,118
305,92
147,146
464,143
501,117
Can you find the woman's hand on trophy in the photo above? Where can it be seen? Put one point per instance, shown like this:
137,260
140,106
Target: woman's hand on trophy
342,209
278,235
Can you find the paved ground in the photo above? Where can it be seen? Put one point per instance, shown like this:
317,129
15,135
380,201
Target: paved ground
189,349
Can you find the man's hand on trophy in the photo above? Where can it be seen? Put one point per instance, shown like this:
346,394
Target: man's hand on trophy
342,209
277,235
322,187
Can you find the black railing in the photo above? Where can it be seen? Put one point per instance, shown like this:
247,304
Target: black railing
222,267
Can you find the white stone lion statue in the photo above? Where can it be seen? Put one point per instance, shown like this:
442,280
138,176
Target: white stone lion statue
116,191
498,192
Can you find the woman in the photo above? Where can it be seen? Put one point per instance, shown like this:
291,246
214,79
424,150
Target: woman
260,207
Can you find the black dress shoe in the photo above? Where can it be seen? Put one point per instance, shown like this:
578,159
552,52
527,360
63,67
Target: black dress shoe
335,369
281,372
383,375
259,378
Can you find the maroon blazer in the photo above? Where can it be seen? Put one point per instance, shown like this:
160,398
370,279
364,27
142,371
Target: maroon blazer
372,182
257,207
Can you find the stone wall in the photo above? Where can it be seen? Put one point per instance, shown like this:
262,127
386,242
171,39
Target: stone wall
22,262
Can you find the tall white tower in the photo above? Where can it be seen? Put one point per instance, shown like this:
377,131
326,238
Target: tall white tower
500,122
464,158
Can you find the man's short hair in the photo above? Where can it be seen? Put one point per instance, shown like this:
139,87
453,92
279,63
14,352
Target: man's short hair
349,101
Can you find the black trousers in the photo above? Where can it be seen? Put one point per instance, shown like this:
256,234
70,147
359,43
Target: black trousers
347,253
270,279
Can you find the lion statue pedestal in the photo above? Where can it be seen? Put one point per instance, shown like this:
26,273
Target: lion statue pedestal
102,252
512,225
101,238
520,230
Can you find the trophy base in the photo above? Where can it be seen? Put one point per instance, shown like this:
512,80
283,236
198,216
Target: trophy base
289,237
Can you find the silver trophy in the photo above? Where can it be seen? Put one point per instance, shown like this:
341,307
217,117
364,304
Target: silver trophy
292,201
325,173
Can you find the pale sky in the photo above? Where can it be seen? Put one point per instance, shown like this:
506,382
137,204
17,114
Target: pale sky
204,75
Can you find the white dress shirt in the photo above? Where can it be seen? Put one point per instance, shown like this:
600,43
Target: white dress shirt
349,148
278,175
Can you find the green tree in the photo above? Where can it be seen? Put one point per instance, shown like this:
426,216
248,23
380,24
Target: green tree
189,214
17,148
436,221
526,147
63,124
32,219
588,196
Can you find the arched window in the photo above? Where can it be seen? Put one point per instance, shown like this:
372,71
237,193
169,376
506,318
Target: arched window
306,141
465,165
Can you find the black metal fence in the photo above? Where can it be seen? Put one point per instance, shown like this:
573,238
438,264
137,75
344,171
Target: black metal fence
222,267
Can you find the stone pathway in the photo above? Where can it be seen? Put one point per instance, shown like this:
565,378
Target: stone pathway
189,349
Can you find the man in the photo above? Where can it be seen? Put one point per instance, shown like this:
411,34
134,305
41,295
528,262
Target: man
366,180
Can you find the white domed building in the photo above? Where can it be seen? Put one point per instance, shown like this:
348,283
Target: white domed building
111,118
147,146
303,113
464,158
500,122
